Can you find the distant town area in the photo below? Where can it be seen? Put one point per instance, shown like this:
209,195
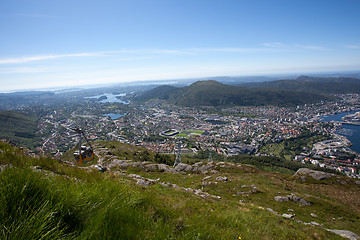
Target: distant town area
256,130
306,120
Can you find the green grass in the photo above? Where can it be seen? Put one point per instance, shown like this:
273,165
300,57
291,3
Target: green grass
198,131
20,128
182,135
64,202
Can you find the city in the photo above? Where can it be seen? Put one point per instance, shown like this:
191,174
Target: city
256,130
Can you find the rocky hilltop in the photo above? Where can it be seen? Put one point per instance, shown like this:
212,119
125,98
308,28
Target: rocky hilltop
126,194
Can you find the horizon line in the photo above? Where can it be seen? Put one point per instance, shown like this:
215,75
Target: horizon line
151,81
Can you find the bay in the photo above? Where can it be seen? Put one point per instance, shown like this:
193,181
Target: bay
351,132
111,98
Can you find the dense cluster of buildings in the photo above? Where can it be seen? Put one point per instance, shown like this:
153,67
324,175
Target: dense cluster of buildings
227,131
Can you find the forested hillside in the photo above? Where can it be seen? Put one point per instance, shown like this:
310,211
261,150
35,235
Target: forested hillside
213,93
313,84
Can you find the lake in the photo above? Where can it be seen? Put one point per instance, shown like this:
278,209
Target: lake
114,116
351,132
110,98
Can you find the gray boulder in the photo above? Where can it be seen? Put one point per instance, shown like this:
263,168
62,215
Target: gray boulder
286,215
317,175
303,202
281,198
345,234
166,168
294,198
182,167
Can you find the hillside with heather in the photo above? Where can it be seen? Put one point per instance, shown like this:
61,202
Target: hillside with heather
138,195
19,127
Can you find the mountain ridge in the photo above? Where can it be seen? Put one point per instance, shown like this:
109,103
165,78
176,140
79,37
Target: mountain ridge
318,85
213,93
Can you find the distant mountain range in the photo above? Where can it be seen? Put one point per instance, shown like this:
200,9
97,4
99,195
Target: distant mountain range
312,84
213,93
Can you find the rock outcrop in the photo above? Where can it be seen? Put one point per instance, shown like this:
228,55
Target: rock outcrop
345,234
294,198
317,175
199,167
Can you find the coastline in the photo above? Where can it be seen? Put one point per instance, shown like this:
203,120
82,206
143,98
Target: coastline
340,120
347,143
352,119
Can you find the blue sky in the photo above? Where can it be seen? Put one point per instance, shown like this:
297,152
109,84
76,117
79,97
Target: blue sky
68,43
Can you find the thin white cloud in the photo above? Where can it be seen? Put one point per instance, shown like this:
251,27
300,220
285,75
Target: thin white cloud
310,47
44,57
292,47
187,51
353,46
182,51
229,50
21,70
145,51
267,47
274,45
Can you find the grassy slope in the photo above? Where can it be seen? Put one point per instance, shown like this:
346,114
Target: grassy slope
18,127
63,202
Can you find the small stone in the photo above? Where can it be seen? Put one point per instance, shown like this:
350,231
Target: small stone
206,178
296,198
222,179
238,193
290,210
37,167
143,182
272,210
291,216
135,176
313,215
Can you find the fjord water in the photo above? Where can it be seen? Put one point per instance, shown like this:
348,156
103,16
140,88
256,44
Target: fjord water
111,98
114,116
351,132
